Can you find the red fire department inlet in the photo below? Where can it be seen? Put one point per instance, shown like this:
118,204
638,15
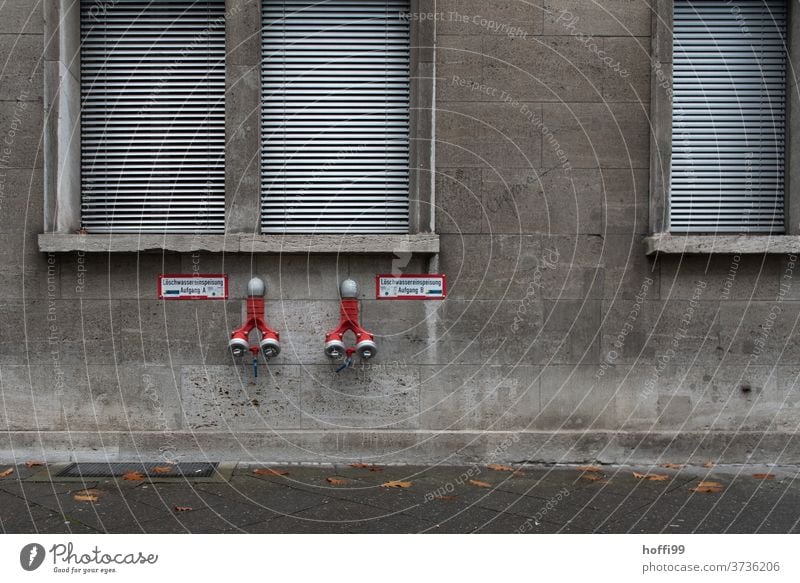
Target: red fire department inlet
334,341
270,344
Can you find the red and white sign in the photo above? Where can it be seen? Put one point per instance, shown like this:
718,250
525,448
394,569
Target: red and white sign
411,287
194,286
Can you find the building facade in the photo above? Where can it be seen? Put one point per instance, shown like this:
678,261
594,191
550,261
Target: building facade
605,185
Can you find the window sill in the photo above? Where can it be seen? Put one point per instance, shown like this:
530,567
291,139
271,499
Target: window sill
427,243
733,244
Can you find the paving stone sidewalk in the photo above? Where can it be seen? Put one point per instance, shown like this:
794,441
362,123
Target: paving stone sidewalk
475,499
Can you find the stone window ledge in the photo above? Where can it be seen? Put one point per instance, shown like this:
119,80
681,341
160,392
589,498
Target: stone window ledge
669,243
268,244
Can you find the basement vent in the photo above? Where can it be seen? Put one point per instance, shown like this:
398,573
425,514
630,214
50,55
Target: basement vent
153,116
729,115
335,116
150,470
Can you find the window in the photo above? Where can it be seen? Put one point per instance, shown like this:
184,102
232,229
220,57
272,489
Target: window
335,116
728,117
153,116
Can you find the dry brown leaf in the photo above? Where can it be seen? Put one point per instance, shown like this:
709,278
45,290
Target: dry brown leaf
657,477
500,468
651,477
370,467
270,472
133,476
672,466
708,488
395,484
480,484
31,464
764,476
90,491
709,465
6,473
162,470
183,509
591,476
336,481
85,498
445,497
588,469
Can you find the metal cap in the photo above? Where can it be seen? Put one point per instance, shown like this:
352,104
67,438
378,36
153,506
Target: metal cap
256,287
348,289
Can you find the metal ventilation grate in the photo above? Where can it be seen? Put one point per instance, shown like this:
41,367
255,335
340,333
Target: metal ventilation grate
729,115
335,116
114,470
153,116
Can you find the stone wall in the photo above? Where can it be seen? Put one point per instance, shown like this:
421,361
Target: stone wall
560,339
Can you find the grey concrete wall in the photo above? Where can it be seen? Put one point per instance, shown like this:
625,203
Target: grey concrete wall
560,339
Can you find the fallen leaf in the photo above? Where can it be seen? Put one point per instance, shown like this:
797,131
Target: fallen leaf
500,468
183,509
764,476
518,473
336,481
651,477
30,464
445,497
708,488
588,469
394,484
90,491
709,465
162,470
480,484
85,498
133,476
6,473
270,472
672,466
657,477
370,467
591,476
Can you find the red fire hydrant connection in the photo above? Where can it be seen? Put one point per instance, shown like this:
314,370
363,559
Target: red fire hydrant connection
335,348
269,345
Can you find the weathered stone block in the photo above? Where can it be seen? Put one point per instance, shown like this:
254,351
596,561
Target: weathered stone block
489,398
595,135
230,398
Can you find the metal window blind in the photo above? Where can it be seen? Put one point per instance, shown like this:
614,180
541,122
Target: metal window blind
153,116
729,114
335,116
